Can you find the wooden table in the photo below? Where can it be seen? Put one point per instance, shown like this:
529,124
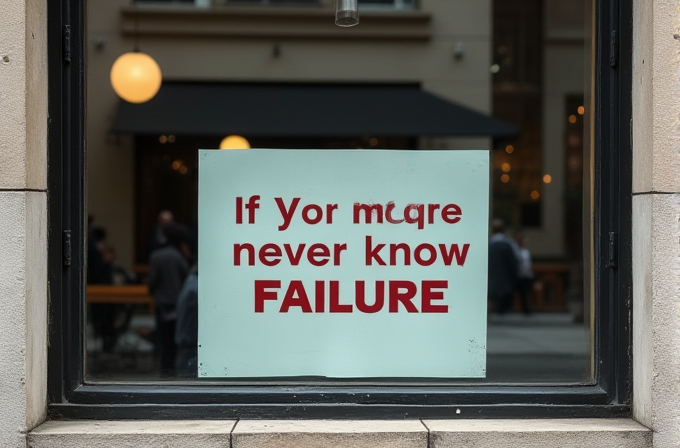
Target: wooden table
127,294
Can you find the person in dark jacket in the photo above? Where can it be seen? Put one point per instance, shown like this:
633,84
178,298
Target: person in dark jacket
503,268
168,269
525,278
99,272
157,238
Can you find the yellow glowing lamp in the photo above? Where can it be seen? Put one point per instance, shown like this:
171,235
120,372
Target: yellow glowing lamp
136,77
234,142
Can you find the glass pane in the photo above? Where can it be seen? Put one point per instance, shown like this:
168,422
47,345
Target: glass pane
524,62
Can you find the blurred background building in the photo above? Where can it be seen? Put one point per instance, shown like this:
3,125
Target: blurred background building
511,76
522,61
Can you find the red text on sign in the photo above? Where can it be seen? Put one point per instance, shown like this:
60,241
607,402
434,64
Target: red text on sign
270,254
311,213
401,295
419,214
424,254
251,206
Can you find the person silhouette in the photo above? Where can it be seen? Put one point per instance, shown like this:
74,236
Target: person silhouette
525,272
168,269
503,268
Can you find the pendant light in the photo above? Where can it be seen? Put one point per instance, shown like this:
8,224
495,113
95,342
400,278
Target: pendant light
136,76
234,142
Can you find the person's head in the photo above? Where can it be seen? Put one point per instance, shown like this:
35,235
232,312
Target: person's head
175,235
108,253
497,226
98,234
165,217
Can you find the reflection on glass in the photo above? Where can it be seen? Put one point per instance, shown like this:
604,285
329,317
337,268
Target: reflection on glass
142,185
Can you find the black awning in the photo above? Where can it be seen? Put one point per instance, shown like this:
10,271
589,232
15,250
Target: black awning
309,110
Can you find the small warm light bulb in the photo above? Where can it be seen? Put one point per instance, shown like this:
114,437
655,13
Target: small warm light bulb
505,178
509,149
136,77
234,142
547,178
346,12
535,195
572,119
506,167
581,110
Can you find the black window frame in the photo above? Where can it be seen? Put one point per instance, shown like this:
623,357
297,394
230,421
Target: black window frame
71,397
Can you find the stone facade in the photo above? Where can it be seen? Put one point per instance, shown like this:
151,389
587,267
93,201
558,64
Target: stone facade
23,219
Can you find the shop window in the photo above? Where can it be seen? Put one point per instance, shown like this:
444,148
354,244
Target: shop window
563,349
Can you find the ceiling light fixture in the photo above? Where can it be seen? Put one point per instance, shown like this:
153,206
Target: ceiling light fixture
136,76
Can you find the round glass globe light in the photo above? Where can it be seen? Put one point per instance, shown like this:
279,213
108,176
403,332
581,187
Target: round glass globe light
234,142
136,77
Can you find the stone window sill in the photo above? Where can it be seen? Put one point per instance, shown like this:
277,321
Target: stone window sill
568,433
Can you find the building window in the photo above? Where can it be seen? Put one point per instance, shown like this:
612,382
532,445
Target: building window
392,4
141,2
395,4
207,3
554,357
271,2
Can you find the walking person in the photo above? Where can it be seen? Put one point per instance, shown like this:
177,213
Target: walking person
168,268
525,280
503,268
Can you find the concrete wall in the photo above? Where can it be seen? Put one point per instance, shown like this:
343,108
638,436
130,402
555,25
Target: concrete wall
23,223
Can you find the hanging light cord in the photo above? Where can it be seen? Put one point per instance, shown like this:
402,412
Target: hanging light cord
135,47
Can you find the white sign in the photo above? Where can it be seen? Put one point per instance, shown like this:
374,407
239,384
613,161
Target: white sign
343,264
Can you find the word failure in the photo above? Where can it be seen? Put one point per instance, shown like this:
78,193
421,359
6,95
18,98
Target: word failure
400,296
312,214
